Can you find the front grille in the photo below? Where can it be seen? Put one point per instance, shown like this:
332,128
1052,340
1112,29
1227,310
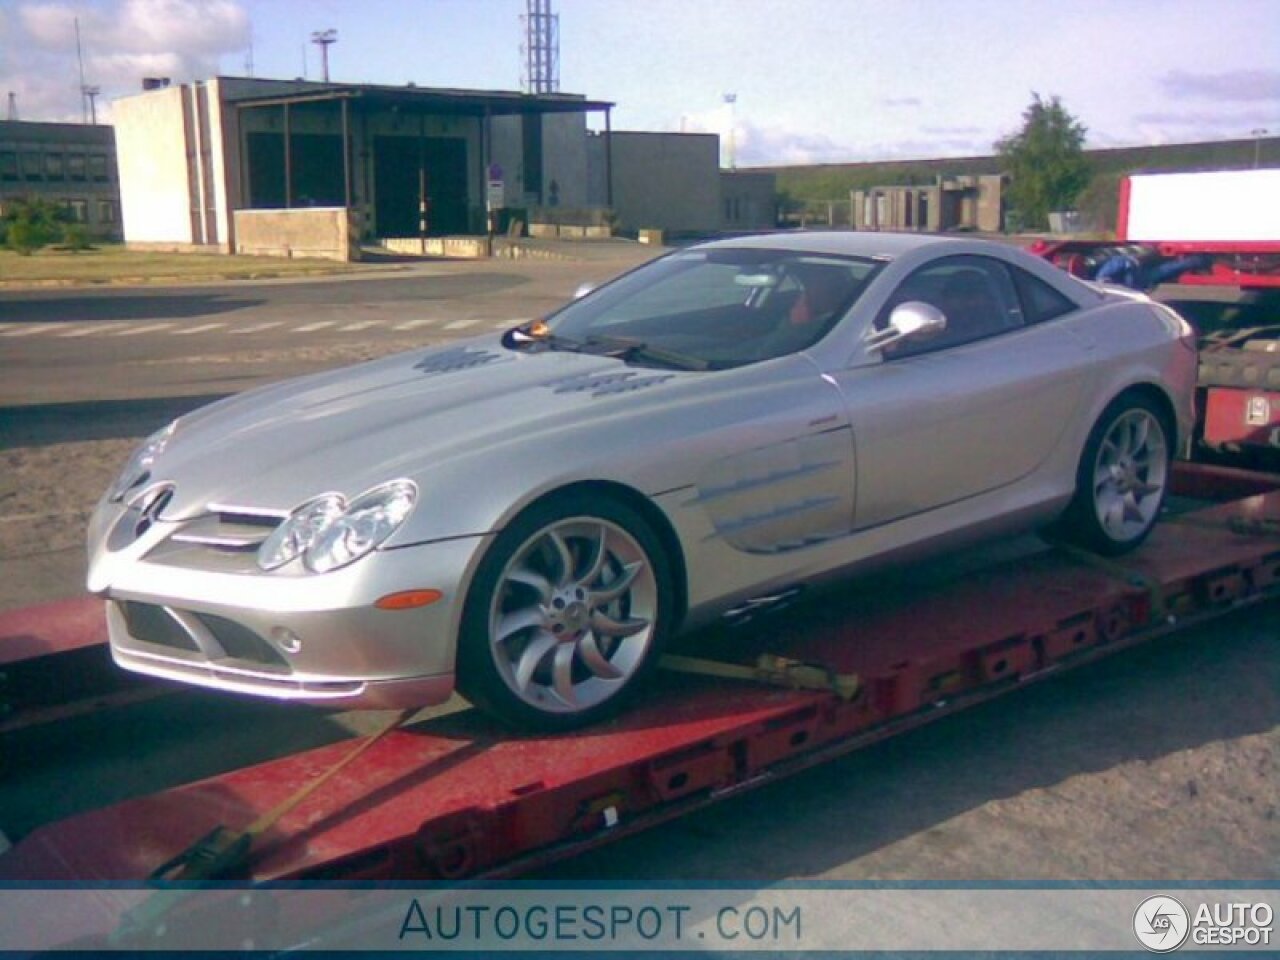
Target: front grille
241,643
153,624
215,638
228,528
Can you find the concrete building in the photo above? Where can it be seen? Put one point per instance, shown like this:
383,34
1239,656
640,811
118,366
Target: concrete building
660,181
973,202
313,169
71,164
748,200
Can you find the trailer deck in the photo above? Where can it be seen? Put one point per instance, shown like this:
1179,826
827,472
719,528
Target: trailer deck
454,797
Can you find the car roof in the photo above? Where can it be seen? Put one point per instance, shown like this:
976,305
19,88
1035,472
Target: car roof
881,246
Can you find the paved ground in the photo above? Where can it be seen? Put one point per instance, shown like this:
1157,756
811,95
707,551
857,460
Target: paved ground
1160,764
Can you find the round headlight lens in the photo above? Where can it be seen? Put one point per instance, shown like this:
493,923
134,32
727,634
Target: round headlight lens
138,469
366,523
292,538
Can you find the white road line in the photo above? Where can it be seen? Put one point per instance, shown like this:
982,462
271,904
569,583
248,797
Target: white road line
505,324
145,328
414,324
186,331
256,327
462,324
94,328
310,327
358,325
26,331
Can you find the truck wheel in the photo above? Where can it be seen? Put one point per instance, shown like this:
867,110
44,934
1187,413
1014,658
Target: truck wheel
566,615
1122,479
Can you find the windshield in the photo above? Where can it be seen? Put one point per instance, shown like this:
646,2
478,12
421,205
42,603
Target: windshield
714,308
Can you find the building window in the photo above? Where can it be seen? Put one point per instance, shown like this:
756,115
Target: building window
75,166
106,211
8,165
32,166
53,169
98,167
79,210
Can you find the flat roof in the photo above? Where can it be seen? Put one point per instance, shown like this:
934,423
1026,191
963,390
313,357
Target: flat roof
430,100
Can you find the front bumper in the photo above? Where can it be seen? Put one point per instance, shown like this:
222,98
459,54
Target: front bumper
311,638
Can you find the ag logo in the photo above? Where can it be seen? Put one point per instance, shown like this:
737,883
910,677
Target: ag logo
1161,924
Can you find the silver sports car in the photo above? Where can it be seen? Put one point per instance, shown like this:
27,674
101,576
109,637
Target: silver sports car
528,517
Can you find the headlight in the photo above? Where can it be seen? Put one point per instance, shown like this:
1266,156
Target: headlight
292,538
371,518
328,533
138,469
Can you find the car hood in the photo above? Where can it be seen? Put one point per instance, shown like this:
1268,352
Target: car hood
350,429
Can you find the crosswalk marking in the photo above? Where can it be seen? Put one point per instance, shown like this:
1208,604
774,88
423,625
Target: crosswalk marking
175,327
201,328
145,328
92,329
28,331
462,324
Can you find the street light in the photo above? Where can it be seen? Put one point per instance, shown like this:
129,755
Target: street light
1258,133
322,39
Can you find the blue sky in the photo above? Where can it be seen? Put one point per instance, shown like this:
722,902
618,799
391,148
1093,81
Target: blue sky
815,80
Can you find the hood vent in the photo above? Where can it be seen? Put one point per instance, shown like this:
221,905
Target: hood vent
455,359
606,384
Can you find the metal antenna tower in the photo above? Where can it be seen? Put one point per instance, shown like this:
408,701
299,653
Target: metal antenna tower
86,99
541,48
322,39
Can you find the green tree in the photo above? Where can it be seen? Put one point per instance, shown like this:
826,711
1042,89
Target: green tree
1045,161
32,223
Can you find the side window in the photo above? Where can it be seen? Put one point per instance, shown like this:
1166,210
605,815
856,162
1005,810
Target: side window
976,294
1040,302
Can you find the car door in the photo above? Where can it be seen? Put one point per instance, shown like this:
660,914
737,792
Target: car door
974,409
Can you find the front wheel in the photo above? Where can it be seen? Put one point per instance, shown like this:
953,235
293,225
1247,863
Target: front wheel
565,616
1122,479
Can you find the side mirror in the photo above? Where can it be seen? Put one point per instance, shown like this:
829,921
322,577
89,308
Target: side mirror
582,290
913,320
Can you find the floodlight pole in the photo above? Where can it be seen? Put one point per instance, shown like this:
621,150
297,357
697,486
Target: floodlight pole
322,39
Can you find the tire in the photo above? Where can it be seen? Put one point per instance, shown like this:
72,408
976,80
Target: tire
566,616
1122,479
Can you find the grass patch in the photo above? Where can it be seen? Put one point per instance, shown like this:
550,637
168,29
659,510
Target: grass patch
112,263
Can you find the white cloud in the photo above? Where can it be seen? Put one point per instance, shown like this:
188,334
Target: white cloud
1232,86
122,42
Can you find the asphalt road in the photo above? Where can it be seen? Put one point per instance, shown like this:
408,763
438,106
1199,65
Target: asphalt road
77,345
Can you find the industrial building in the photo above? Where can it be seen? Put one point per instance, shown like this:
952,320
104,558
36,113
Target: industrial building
70,164
972,202
313,169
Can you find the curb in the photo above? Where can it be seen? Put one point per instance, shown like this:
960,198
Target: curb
51,628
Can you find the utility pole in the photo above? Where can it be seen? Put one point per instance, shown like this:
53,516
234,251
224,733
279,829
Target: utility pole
731,99
1258,133
13,107
322,39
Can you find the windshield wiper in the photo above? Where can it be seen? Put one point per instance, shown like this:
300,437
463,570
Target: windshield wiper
629,348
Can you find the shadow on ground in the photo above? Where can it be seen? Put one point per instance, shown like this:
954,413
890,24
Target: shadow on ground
44,424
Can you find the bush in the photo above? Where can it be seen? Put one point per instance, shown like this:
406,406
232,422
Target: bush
75,238
33,223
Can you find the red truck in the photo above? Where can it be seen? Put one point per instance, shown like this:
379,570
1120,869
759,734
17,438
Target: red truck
1208,244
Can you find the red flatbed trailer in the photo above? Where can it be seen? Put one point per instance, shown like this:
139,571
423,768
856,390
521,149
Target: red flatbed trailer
455,798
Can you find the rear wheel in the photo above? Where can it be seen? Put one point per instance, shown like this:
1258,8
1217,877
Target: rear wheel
1122,479
566,615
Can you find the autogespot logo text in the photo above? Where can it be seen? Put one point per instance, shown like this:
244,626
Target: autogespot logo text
1161,924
